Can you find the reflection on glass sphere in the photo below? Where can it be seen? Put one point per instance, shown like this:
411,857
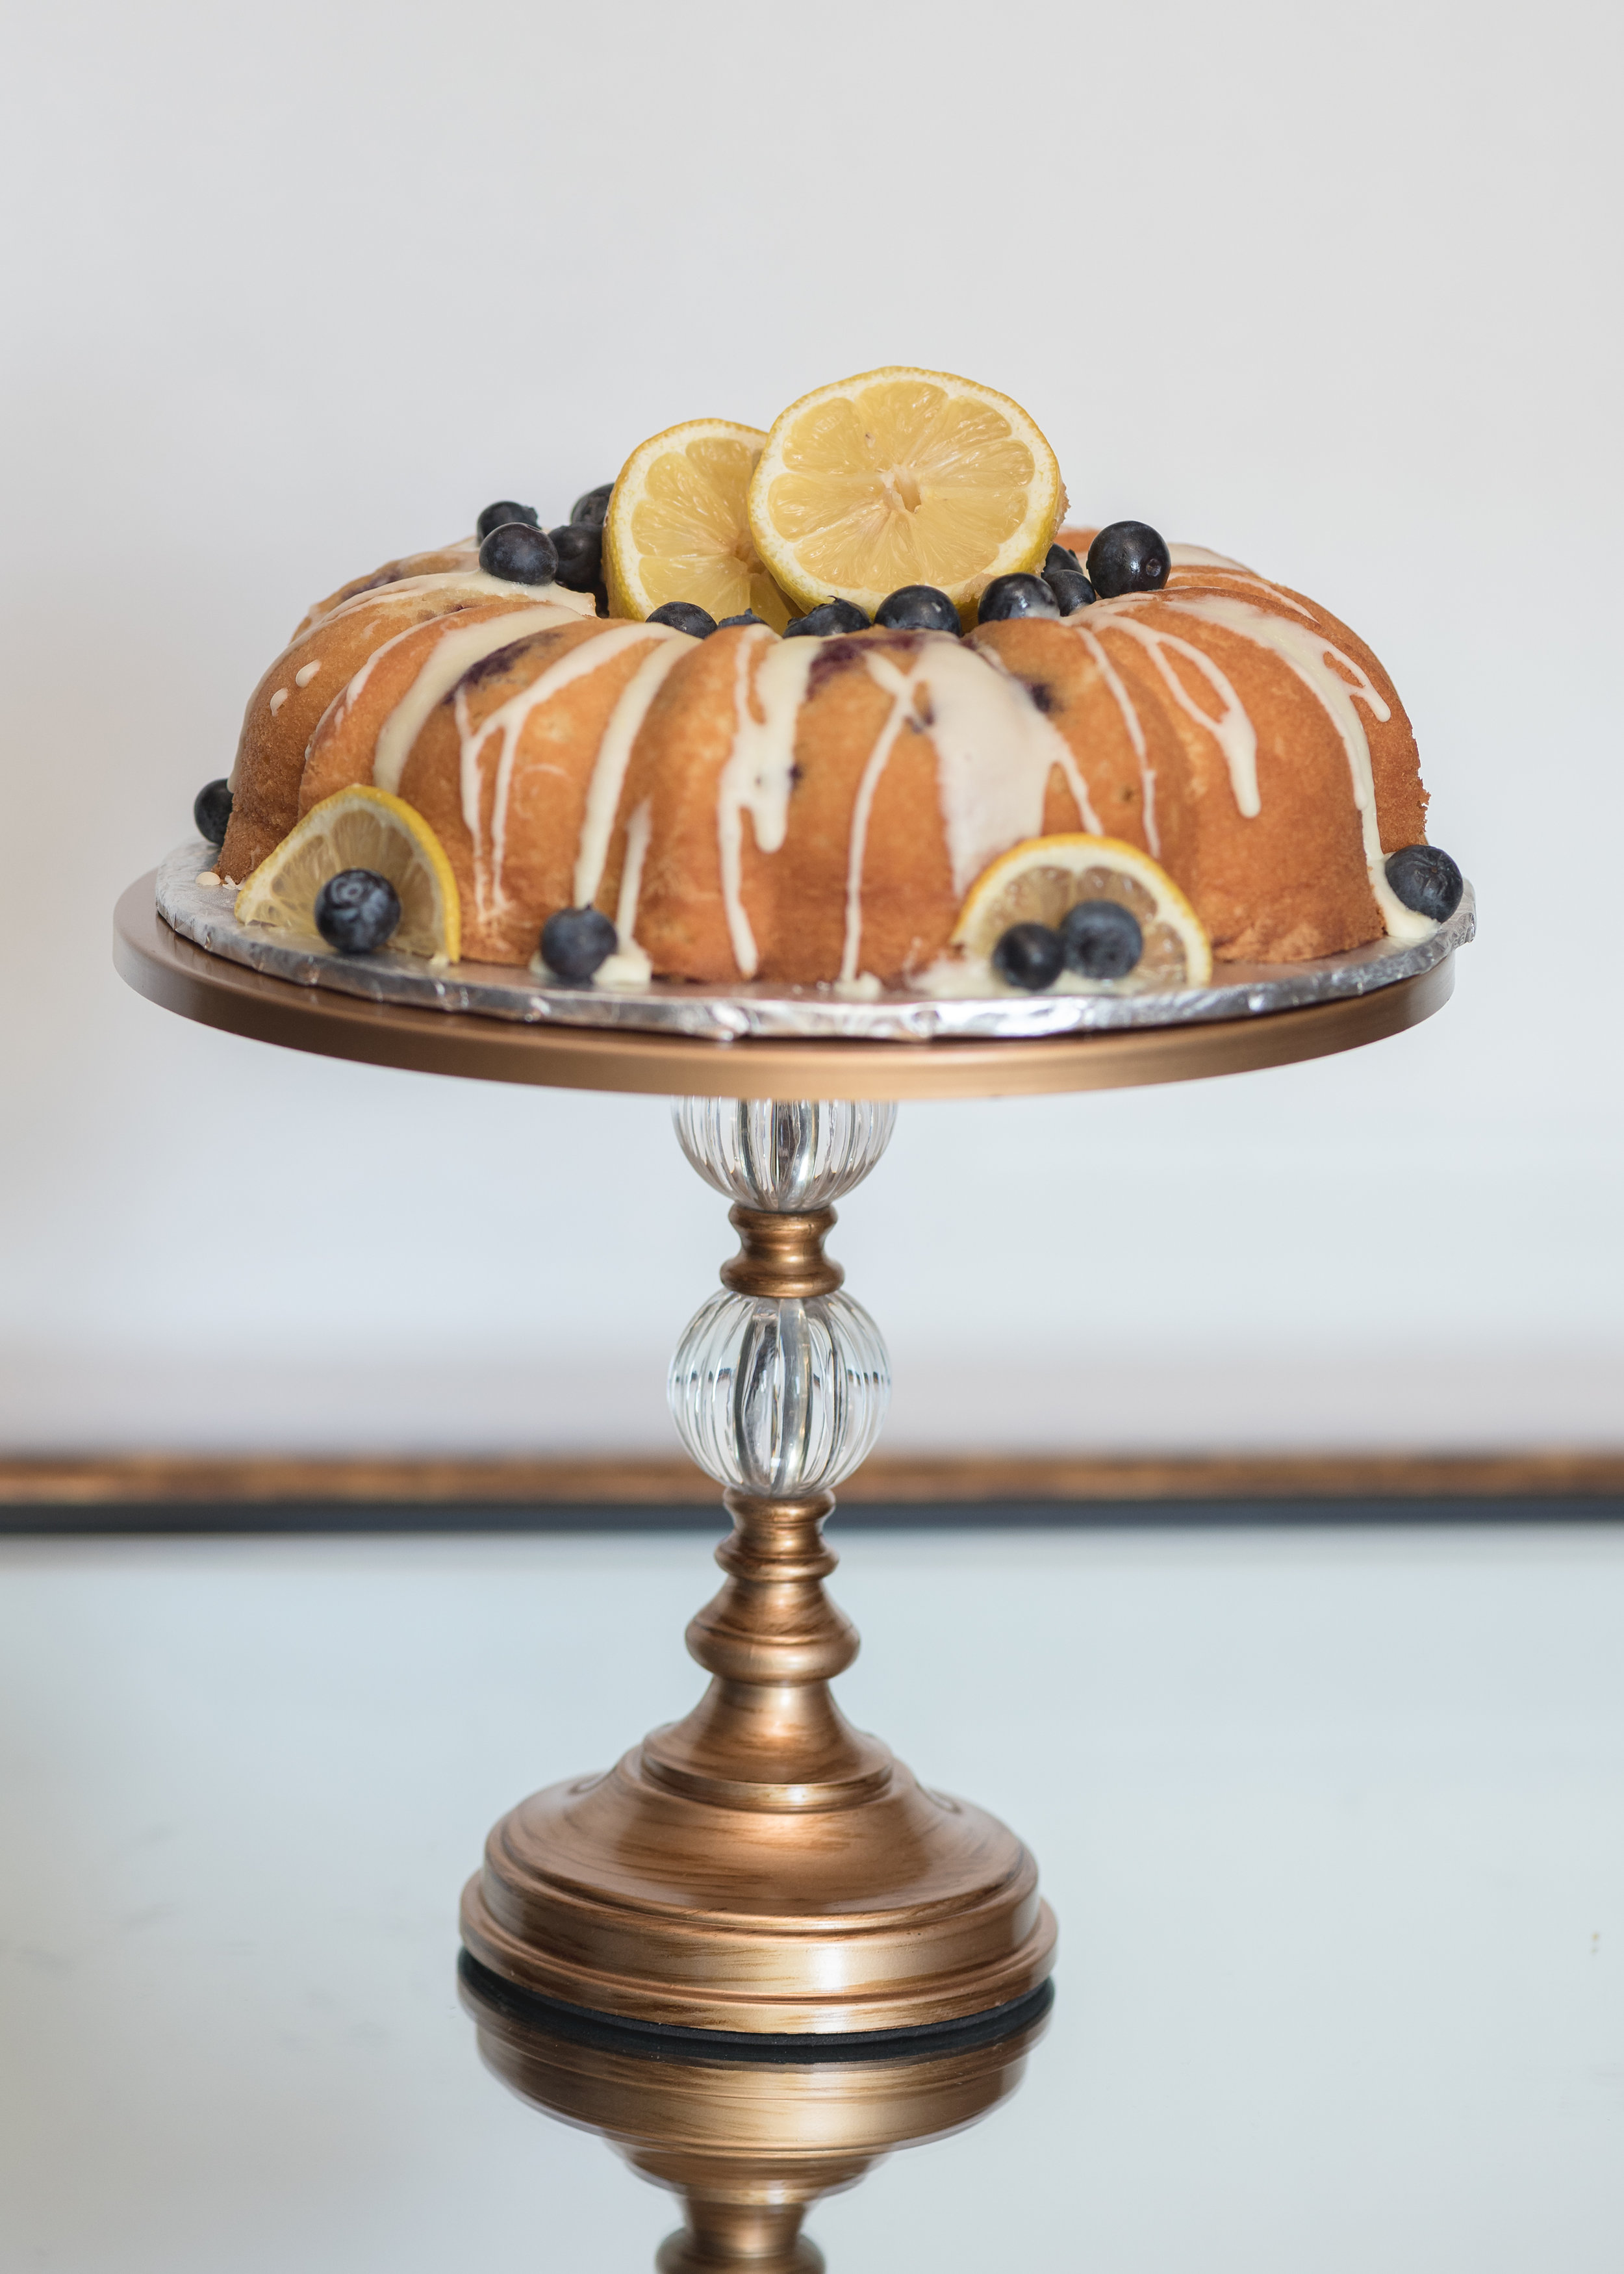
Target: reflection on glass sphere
783,1154
782,1398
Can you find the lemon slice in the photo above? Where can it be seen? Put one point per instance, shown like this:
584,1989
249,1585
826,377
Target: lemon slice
677,528
902,477
361,828
1039,881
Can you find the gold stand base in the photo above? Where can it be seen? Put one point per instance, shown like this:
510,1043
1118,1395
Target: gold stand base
749,2145
762,1867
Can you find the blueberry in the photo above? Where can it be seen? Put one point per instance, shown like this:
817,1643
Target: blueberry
1061,556
684,616
1426,880
1102,939
494,515
1071,588
357,911
1029,955
1128,557
576,941
592,510
211,811
580,555
917,608
827,621
1017,595
748,617
520,553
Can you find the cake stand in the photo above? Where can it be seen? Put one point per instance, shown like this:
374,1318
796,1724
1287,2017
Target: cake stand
748,2144
760,1871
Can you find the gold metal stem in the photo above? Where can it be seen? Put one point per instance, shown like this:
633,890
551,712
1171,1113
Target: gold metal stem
761,1866
781,1255
740,2216
767,1735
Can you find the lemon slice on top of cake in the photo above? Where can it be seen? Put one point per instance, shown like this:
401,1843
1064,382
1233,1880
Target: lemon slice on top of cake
677,530
901,477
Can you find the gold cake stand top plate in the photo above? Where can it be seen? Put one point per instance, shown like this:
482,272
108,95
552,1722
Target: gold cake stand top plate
186,979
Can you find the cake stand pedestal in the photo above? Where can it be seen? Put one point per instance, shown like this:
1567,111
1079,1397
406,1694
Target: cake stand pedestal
749,2145
760,1870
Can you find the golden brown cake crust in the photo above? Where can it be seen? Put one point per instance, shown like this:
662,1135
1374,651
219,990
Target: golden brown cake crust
533,755
862,882
463,557
286,707
1290,881
815,810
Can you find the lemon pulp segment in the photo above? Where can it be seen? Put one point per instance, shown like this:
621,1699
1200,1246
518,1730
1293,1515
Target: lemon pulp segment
1039,881
678,528
361,828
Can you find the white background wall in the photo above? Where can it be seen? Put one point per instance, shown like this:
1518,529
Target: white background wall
290,290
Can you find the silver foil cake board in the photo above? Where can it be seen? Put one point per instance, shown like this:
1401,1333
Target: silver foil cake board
760,1010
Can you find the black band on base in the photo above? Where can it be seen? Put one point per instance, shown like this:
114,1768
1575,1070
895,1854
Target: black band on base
669,2041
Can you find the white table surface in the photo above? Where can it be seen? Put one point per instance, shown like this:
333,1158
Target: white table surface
1333,1823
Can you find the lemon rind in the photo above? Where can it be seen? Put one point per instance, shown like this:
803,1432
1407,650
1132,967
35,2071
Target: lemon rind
1173,903
623,600
425,843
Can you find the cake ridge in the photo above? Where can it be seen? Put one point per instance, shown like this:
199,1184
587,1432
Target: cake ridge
882,770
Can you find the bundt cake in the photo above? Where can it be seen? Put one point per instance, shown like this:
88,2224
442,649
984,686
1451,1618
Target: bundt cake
816,807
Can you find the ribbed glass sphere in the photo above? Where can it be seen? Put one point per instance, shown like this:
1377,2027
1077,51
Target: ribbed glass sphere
783,1154
783,1398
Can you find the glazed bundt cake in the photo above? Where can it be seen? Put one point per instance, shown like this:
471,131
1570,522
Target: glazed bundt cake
816,807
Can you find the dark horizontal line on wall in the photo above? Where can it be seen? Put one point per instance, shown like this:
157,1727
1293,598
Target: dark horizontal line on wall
363,1519
195,1493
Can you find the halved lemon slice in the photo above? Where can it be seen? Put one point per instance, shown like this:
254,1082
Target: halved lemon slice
677,528
902,477
1037,882
361,828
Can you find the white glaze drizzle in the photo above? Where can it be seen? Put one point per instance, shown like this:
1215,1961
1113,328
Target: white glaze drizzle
902,689
638,830
1305,651
994,753
508,724
1311,655
1197,556
1196,559
629,964
305,673
475,583
1232,729
277,700
603,797
457,649
1125,704
759,769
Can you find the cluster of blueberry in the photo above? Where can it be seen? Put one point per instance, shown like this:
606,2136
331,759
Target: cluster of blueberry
514,545
1100,939
1127,557
358,911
